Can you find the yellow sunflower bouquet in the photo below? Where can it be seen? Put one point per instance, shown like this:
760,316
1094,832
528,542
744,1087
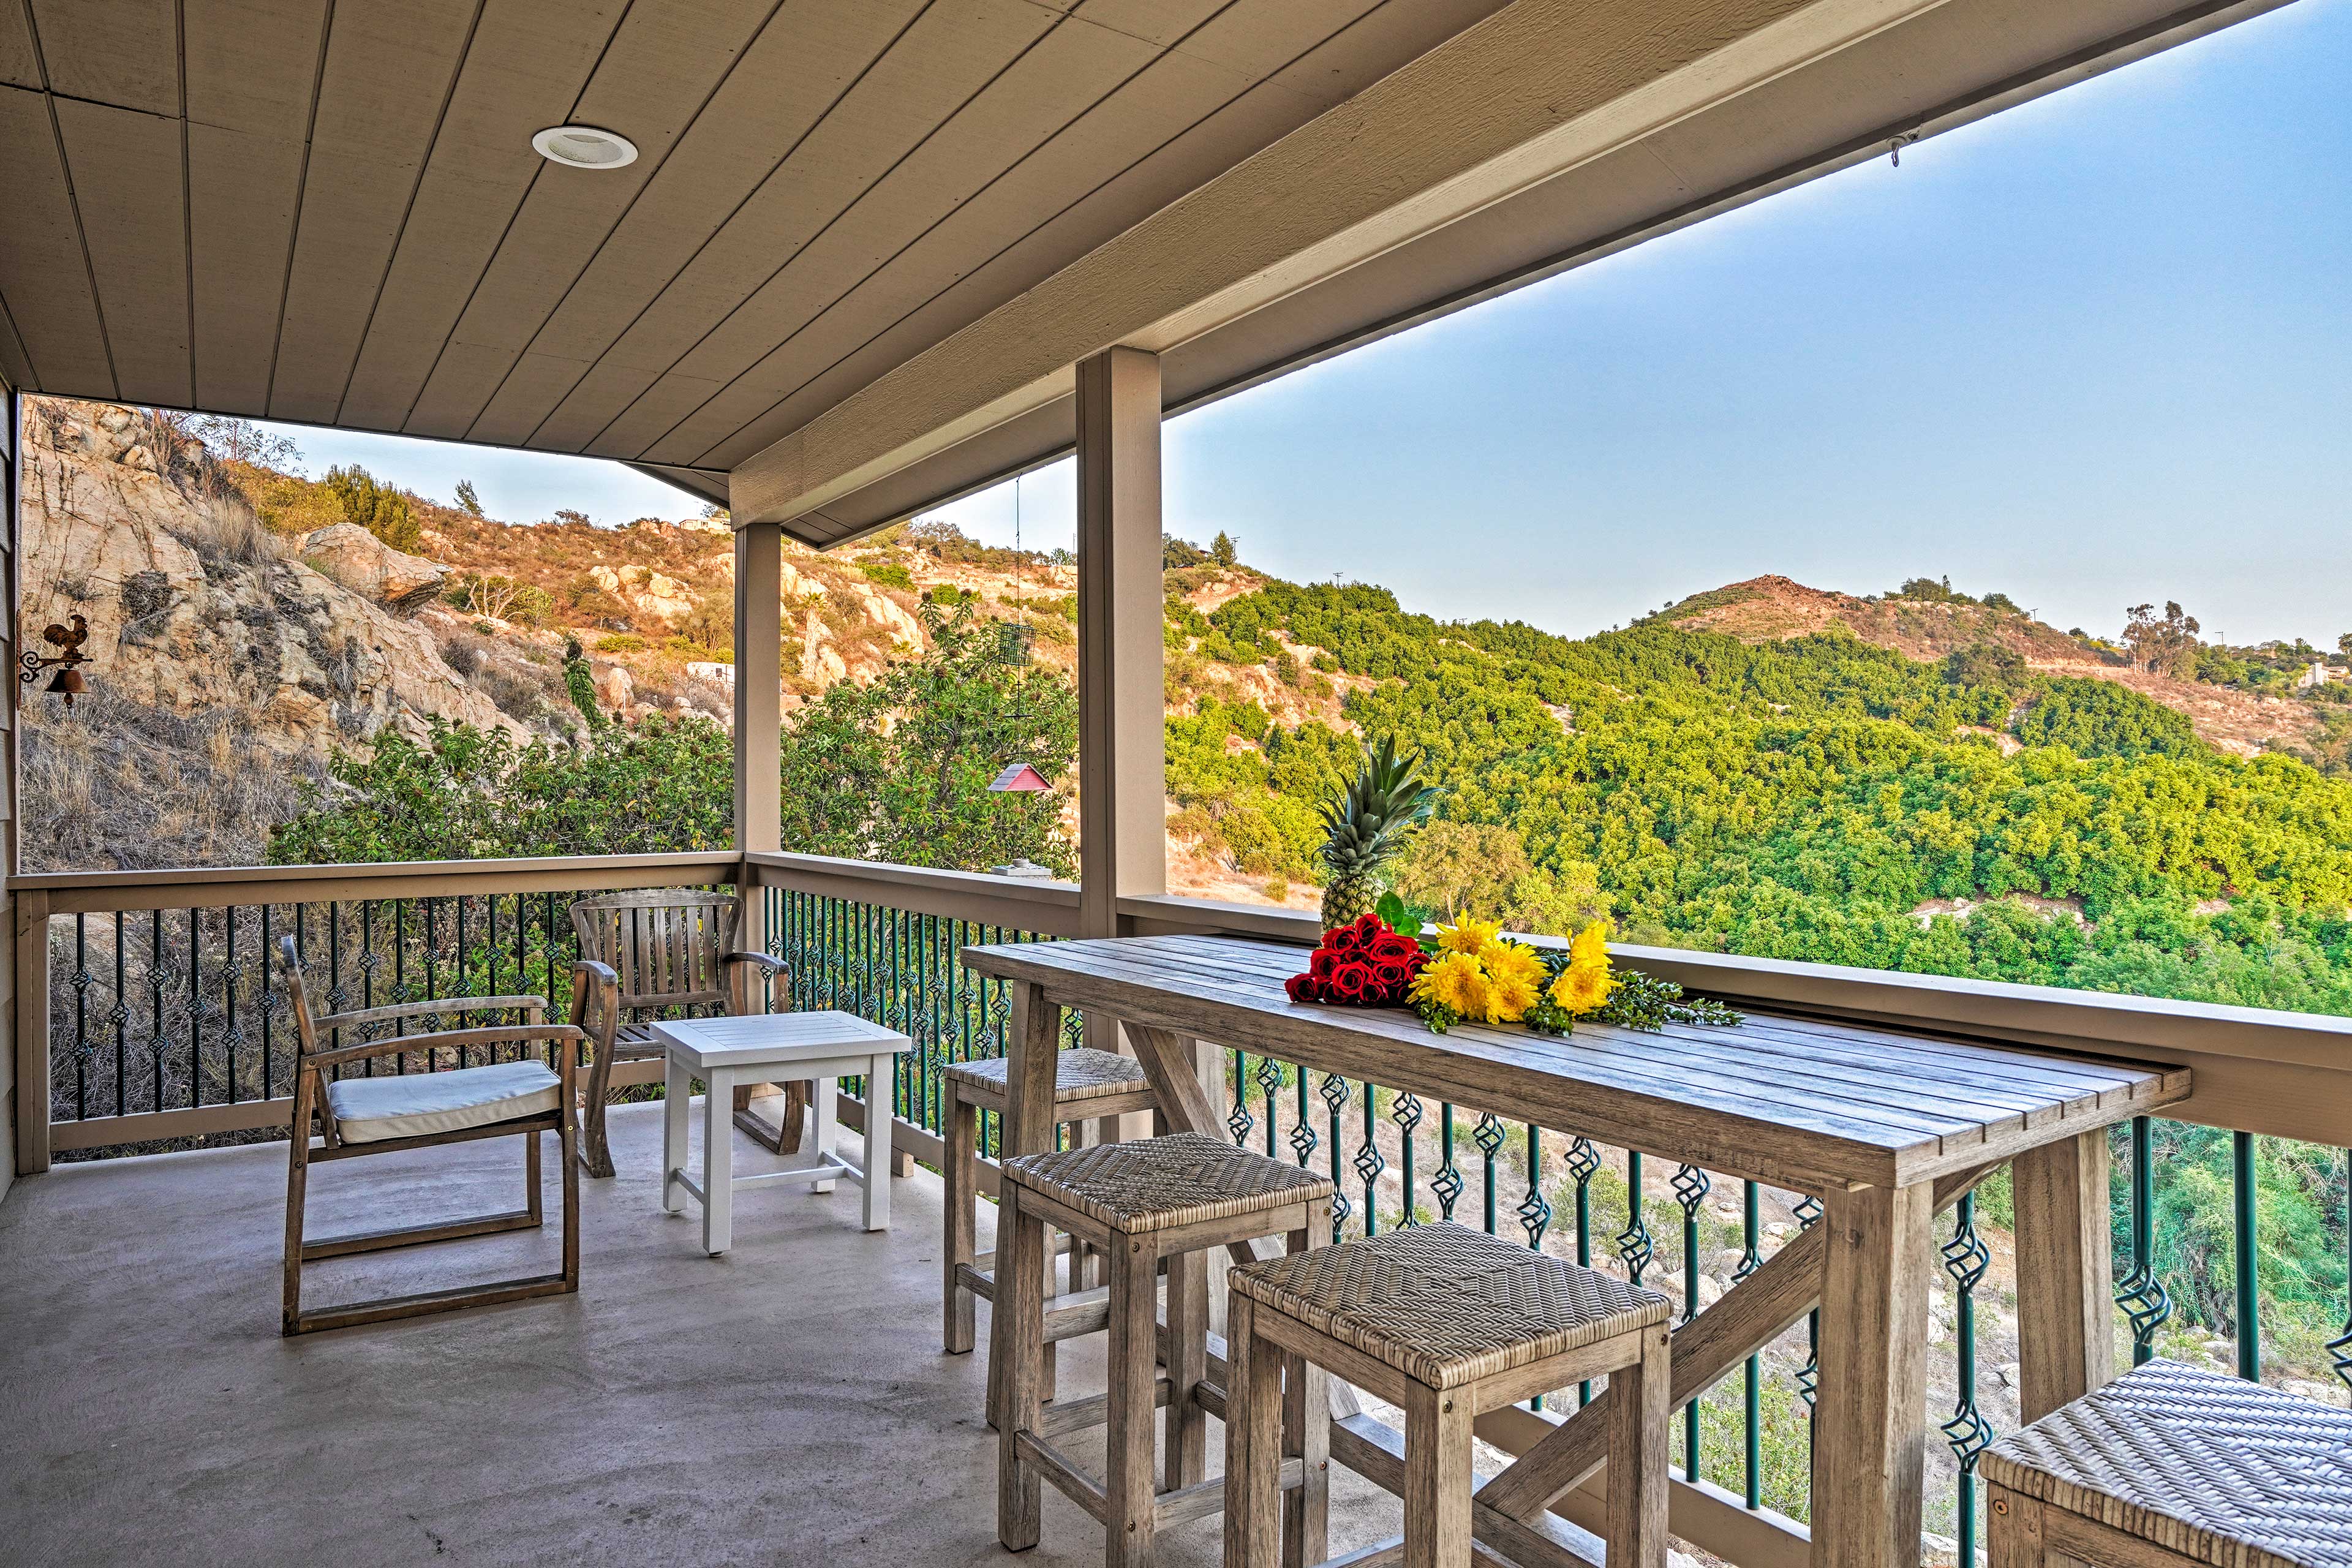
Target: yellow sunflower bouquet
1480,976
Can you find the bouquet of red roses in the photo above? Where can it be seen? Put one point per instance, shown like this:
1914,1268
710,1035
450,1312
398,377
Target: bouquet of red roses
1365,963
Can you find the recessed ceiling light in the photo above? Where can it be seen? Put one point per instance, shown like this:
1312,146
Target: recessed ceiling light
584,147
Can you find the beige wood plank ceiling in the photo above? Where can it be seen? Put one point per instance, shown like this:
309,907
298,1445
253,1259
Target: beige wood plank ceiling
329,210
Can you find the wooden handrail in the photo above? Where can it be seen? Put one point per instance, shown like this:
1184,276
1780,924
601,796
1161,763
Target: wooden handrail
71,892
2257,1069
1026,903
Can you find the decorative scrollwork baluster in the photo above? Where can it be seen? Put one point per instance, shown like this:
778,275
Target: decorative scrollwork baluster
1808,1210
1406,1113
1368,1162
2144,1302
1691,1186
1269,1081
1447,1183
1966,1259
1335,1093
1489,1136
1635,1247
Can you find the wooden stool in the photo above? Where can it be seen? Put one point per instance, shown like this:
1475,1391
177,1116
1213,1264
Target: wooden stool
1145,1204
2173,1464
1087,1085
1448,1324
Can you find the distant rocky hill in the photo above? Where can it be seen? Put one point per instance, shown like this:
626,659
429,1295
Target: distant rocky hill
1772,607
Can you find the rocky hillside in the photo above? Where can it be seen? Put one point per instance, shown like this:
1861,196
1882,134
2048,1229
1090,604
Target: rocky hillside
1769,608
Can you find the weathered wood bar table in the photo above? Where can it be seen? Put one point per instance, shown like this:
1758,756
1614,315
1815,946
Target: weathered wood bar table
1885,1127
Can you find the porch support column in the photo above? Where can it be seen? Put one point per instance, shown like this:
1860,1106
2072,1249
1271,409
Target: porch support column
1122,728
1122,701
759,655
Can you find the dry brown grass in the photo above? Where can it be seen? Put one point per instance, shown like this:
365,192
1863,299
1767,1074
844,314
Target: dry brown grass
117,785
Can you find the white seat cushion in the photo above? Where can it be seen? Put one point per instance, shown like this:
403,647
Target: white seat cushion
370,1110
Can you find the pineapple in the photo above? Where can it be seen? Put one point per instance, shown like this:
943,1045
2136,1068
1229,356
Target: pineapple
1365,827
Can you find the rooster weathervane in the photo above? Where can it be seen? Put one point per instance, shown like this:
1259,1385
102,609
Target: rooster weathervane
67,683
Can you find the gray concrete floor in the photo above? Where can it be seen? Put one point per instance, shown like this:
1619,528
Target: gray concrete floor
785,1404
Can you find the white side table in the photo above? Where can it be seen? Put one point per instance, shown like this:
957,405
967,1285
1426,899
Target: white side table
777,1047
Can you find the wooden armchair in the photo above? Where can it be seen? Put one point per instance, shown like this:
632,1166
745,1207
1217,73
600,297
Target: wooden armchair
665,947
384,1115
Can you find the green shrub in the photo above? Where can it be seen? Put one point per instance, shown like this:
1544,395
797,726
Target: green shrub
375,506
621,642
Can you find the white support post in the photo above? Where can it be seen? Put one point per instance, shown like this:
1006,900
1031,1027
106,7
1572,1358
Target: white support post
759,718
1122,704
758,673
1122,725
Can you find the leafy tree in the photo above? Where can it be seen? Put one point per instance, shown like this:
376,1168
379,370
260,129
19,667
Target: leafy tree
2100,718
244,441
1994,666
375,506
1929,590
1222,548
711,624
1175,555
900,770
581,683
656,786
2161,644
574,516
499,597
467,501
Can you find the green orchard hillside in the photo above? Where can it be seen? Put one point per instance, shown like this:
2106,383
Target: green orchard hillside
1809,795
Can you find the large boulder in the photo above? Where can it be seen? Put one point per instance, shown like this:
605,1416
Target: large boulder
361,562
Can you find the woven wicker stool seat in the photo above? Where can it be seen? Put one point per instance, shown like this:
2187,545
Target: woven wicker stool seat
1088,1086
1166,1183
1083,1073
1446,1323
1150,1204
2205,1468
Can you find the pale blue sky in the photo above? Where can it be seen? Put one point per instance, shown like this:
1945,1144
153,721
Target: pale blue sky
2094,351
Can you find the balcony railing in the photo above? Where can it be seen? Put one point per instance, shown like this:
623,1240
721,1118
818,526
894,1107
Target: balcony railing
162,1022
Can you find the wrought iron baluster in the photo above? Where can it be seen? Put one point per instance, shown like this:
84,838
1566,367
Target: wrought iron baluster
1447,1183
1302,1132
195,1014
1583,1164
269,997
2139,1292
231,1036
119,1015
1691,1186
1240,1120
1405,1111
1368,1162
2340,1349
1269,1079
1633,1244
1808,1210
155,986
1335,1098
2250,1323
82,981
1488,1135
1535,1213
1752,1405
1966,1259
